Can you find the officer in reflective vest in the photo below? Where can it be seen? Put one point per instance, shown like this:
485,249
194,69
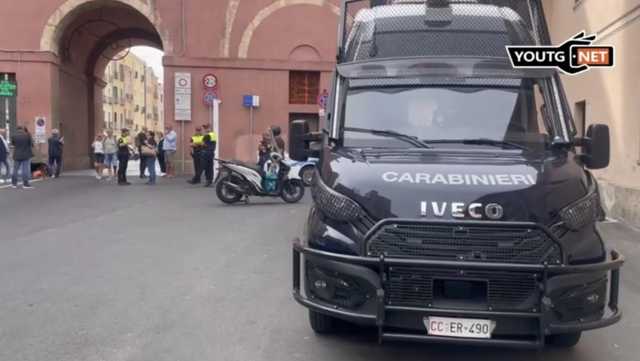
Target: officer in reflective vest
209,153
123,156
197,147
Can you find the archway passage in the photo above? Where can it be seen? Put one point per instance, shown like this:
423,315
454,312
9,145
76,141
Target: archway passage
87,38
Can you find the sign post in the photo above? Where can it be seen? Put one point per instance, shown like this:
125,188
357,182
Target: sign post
183,97
182,102
40,136
251,102
8,89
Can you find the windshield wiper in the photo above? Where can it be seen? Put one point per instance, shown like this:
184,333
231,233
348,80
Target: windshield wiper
482,141
392,134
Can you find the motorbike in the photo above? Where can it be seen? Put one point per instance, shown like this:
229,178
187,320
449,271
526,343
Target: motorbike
238,181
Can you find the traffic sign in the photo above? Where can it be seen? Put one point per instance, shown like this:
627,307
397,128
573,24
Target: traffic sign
210,81
182,97
251,101
8,88
209,98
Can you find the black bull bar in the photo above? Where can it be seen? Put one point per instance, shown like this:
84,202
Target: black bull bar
377,319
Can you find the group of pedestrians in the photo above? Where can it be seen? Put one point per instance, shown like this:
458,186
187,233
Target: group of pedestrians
113,154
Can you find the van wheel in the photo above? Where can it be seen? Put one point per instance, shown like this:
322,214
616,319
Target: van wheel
564,340
321,323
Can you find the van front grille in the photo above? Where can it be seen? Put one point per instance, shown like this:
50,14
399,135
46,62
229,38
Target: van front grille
457,242
506,290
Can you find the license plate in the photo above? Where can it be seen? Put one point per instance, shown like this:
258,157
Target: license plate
459,327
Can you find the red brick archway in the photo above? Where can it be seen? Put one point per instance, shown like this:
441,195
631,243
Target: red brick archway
85,35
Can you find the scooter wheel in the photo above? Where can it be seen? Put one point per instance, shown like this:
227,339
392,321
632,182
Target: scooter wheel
292,191
226,194
306,174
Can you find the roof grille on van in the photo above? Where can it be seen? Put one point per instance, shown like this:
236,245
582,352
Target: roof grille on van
383,29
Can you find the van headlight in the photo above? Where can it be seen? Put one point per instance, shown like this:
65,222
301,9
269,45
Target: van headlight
333,204
582,212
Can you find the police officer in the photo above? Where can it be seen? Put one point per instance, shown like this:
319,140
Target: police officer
209,153
197,147
123,156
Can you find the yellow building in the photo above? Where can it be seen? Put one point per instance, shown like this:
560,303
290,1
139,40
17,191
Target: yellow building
132,96
608,95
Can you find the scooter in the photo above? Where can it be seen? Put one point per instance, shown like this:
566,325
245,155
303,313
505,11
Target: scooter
238,181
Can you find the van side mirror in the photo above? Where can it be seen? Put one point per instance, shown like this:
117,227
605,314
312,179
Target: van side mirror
597,147
298,146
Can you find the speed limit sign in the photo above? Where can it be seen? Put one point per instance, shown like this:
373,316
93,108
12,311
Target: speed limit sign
210,81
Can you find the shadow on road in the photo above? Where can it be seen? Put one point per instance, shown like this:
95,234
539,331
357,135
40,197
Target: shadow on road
362,343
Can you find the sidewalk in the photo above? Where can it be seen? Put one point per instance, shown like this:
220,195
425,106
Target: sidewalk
133,170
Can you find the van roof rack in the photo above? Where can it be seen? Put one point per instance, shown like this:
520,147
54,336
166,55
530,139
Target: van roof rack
472,26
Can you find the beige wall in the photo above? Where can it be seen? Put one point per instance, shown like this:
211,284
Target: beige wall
132,89
611,95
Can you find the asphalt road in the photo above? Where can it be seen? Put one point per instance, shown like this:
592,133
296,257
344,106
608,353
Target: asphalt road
91,271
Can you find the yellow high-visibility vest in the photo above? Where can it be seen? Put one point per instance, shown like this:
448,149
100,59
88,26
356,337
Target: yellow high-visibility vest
197,139
123,140
213,136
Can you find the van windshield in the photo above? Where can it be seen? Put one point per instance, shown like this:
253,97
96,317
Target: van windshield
445,114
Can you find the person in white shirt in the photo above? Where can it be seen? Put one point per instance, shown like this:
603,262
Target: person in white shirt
111,153
170,147
98,154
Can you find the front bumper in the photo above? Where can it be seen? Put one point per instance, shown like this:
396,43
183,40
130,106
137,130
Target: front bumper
393,321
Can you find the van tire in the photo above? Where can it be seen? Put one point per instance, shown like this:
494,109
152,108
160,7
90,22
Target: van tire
321,323
564,340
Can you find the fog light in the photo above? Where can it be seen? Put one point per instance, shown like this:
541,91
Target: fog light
586,301
335,288
593,298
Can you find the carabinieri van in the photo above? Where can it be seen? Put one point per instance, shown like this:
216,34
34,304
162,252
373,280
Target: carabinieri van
453,201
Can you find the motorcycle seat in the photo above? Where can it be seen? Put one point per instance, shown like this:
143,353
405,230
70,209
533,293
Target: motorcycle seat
248,165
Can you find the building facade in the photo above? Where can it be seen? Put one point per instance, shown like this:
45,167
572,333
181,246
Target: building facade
607,95
132,97
280,50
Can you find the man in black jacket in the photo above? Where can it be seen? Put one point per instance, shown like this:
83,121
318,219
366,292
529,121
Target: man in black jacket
56,144
22,154
4,157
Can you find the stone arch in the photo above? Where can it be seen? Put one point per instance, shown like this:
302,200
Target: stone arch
55,25
305,52
243,48
230,17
